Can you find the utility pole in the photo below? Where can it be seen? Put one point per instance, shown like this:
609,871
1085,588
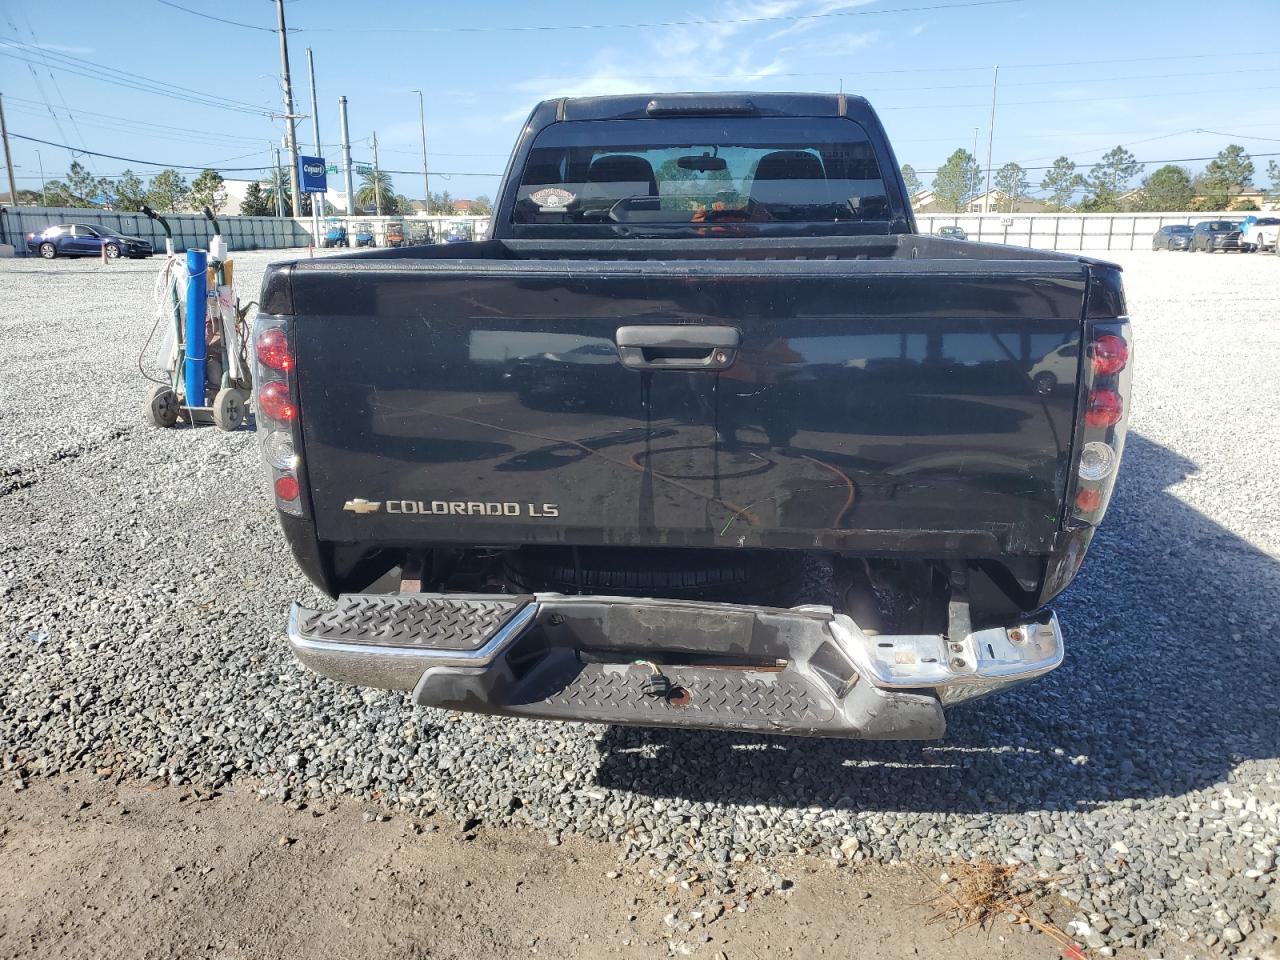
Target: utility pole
977,169
377,178
317,200
426,183
8,157
44,195
991,129
275,178
291,132
346,156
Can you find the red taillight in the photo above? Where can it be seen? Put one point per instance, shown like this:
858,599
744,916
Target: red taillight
1105,409
274,402
1109,354
286,488
273,350
1087,501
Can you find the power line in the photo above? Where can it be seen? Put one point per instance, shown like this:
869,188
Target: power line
144,129
209,16
96,71
897,88
44,97
25,47
1237,136
145,163
474,173
58,89
170,94
194,166
548,28
1078,100
1143,163
845,75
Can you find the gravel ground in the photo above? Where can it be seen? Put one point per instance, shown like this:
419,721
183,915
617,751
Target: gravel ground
143,586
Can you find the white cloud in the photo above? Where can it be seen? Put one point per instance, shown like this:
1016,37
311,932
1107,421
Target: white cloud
741,51
837,45
815,16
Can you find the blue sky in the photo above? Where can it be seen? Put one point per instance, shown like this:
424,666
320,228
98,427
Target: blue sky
1076,78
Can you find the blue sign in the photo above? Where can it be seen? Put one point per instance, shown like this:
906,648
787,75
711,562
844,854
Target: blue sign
311,173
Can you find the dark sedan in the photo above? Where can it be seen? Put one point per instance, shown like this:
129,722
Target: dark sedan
1175,237
1211,235
82,240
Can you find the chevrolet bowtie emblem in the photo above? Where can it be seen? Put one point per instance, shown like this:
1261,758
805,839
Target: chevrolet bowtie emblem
362,506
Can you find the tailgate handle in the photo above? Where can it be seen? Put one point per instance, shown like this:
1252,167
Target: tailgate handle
678,347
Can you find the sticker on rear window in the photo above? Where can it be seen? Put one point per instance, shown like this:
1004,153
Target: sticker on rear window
552,199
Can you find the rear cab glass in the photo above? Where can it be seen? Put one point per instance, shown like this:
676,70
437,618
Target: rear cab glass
700,172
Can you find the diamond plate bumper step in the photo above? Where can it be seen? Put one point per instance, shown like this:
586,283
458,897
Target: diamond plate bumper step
805,671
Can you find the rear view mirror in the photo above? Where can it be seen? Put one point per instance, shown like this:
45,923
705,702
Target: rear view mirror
702,164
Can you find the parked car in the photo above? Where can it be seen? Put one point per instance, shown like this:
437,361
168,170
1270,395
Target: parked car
364,235
395,235
1211,235
955,233
705,399
82,240
1174,237
1261,234
1058,367
335,236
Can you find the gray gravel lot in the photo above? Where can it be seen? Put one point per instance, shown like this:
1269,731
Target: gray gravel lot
143,586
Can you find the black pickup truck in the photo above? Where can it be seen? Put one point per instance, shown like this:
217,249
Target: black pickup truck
705,435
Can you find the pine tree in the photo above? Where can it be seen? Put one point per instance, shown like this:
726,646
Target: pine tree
912,180
129,191
168,191
1061,182
1226,175
1108,179
208,190
953,183
1169,188
255,203
1011,180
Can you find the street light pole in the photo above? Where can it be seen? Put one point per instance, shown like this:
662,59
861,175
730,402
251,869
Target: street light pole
426,183
346,155
991,130
291,131
317,200
377,177
44,195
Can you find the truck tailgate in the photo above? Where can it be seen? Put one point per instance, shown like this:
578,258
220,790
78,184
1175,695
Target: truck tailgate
868,405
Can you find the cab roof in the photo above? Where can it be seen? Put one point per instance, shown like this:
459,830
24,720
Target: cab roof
639,106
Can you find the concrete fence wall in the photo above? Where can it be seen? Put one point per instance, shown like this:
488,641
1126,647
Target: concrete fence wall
1068,231
193,230
189,229
1047,231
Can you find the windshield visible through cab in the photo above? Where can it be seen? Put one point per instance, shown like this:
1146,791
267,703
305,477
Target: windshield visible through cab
701,171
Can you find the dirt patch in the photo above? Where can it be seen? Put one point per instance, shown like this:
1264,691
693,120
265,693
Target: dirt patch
123,871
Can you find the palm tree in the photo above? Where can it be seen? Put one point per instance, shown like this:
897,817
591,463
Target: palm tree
376,189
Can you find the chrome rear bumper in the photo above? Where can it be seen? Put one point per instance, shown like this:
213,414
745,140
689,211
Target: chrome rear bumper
805,671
